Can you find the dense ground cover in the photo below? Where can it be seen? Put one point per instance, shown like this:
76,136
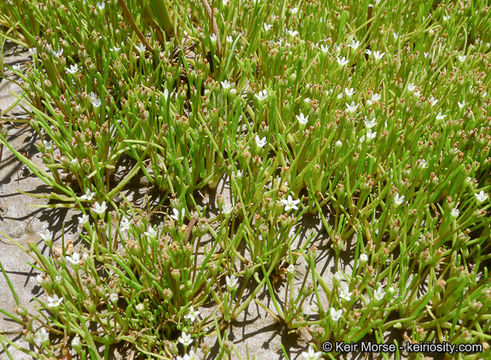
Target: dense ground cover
369,116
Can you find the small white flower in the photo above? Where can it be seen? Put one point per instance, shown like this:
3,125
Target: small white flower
267,27
342,61
370,123
354,44
100,5
178,214
375,98
349,92
291,269
398,199
363,258
227,209
41,337
262,95
113,297
395,35
225,84
289,203
432,101
292,33
231,282
462,58
446,17
324,49
345,294
455,212
151,232
16,67
74,259
40,279
99,209
96,102
379,294
213,38
229,39
369,135
294,10
481,197
411,87
84,219
124,225
192,315
311,354
378,55
33,51
423,163
260,142
461,104
88,195
302,119
141,48
53,301
238,174
46,235
75,341
57,53
185,339
140,307
166,94
335,315
339,143
115,49
440,116
351,109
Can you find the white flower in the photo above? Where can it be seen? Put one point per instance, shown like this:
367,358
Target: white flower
231,282
56,53
432,101
349,92
363,258
398,199
335,315
379,294
140,307
166,94
124,225
53,301
302,119
96,102
262,95
260,142
354,44
88,195
16,67
294,10
238,174
115,49
46,235
229,39
84,219
178,214
351,109
370,123
439,116
113,297
74,259
213,38
75,341
185,339
41,337
100,5
192,314
324,49
369,135
455,212
378,55
225,84
423,163
311,354
33,51
339,143
151,232
39,279
343,61
345,293
267,27
481,197
291,269
375,98
99,209
292,33
461,104
141,47
411,87
289,203
395,35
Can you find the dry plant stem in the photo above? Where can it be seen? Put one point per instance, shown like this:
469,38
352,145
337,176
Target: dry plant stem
129,18
214,25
